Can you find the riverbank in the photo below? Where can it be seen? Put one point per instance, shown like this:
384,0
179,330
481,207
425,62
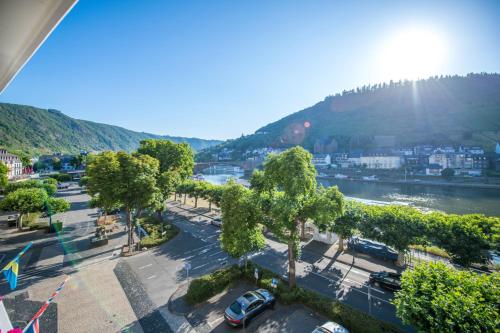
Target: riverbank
419,182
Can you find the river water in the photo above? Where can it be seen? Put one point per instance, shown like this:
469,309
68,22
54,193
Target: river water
447,199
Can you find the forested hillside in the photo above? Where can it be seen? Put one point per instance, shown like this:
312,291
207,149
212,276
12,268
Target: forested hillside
440,110
35,130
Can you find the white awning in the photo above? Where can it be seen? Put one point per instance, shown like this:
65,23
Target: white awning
24,26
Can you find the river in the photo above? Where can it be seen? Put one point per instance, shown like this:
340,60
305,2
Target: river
447,199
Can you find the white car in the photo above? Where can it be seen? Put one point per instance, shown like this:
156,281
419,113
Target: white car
217,222
330,327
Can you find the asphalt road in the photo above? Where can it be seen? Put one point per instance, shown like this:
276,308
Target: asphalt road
199,244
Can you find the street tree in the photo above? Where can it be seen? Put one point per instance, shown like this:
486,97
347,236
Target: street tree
467,238
438,298
326,207
3,175
102,175
24,201
396,226
287,183
241,232
176,162
135,185
48,186
56,163
348,222
447,173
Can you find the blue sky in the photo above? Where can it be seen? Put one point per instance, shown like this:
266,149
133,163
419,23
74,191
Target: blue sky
217,69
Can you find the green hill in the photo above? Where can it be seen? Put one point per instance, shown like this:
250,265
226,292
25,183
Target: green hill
440,110
35,130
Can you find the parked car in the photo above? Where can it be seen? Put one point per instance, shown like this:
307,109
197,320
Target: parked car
62,186
216,222
12,220
387,280
248,306
330,327
372,248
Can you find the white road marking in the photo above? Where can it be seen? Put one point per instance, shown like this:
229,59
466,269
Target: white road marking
199,248
151,277
214,254
148,265
332,281
201,266
215,322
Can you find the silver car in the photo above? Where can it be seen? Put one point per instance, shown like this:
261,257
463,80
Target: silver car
330,327
248,306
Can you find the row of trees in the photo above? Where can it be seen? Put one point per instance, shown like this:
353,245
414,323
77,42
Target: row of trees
33,196
201,189
467,238
143,180
284,195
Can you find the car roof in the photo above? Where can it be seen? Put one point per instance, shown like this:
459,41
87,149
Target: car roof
334,327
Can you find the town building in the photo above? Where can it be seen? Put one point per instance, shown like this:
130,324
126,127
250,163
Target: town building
381,161
433,169
13,163
321,160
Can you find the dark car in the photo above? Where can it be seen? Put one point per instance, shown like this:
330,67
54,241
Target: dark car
387,280
248,306
216,222
374,249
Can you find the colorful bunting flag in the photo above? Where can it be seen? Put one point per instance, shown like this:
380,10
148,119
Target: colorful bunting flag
5,325
33,325
12,269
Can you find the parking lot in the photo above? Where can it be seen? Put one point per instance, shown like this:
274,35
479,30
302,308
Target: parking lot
209,316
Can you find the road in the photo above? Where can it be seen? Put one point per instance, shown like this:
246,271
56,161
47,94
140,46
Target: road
198,244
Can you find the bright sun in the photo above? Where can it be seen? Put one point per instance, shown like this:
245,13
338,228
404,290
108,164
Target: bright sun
412,54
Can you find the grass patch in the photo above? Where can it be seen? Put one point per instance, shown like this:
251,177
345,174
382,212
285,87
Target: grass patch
432,250
203,288
153,227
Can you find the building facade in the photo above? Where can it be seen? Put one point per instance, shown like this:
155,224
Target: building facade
13,163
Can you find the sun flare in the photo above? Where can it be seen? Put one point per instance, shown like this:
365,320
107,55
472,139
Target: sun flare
412,54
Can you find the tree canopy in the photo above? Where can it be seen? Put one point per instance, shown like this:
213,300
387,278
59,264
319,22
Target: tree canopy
3,175
241,232
438,298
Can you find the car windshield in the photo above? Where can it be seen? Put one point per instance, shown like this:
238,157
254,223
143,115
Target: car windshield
259,295
236,308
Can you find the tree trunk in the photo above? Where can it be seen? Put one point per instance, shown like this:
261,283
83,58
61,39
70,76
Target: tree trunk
291,264
185,197
401,259
175,196
130,230
302,230
160,215
20,223
209,206
341,243
195,202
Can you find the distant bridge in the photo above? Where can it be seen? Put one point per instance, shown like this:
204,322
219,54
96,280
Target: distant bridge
245,165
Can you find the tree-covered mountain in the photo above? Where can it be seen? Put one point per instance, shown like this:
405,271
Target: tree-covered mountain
440,110
35,130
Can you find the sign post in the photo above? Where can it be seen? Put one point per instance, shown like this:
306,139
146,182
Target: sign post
369,299
187,267
274,284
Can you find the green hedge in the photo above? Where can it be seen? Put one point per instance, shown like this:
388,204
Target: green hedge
203,288
210,285
153,228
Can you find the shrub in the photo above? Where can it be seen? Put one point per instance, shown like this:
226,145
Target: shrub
61,177
207,286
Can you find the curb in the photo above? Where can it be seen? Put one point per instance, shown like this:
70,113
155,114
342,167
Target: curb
169,302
